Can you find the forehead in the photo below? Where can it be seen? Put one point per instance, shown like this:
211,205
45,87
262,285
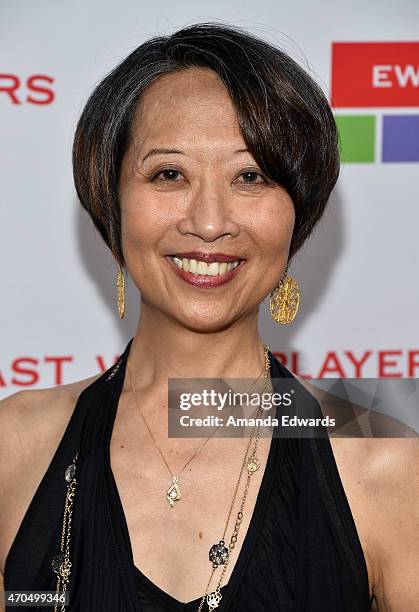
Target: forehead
191,105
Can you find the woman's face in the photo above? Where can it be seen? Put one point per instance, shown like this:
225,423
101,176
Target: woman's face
204,235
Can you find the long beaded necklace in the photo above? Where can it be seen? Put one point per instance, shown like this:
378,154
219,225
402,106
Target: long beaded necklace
219,554
61,564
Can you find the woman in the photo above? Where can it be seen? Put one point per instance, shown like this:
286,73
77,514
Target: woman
205,159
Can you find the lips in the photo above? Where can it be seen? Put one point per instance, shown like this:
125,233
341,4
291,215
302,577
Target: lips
205,269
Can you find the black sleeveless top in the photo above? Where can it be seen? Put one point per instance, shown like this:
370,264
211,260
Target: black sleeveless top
301,552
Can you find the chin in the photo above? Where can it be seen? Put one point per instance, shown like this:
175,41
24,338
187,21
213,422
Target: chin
205,323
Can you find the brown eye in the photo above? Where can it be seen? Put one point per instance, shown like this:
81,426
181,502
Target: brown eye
168,175
251,178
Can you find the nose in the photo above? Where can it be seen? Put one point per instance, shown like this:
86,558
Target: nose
209,213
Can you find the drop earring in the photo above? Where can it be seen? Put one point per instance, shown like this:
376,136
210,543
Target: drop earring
120,286
285,300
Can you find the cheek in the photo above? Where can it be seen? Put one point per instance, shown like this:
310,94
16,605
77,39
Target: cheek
274,227
143,223
135,230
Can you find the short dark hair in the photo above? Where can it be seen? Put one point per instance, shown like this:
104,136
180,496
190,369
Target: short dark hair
284,117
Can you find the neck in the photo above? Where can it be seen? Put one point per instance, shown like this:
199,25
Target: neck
162,348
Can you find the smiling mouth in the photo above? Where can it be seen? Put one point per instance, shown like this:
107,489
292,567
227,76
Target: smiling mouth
203,268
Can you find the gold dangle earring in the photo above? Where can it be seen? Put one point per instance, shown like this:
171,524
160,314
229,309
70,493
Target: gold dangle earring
285,300
120,286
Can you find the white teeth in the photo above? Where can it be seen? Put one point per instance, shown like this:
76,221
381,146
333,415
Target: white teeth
213,268
201,267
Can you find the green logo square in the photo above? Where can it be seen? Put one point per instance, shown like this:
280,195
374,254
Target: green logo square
357,138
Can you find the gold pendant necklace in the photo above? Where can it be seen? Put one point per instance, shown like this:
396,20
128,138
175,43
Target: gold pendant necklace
173,493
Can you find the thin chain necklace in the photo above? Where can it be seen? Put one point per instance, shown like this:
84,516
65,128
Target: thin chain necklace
219,554
173,493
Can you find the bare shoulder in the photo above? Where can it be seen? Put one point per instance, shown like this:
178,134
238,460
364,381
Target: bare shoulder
29,416
387,455
386,468
40,397
27,413
387,465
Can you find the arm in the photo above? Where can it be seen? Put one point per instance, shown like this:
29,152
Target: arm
11,410
396,524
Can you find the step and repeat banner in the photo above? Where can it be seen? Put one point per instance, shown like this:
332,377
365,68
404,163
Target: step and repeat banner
357,274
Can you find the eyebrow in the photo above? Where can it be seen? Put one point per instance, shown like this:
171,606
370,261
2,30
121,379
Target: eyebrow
171,151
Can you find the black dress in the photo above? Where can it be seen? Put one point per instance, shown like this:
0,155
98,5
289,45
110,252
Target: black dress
301,552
